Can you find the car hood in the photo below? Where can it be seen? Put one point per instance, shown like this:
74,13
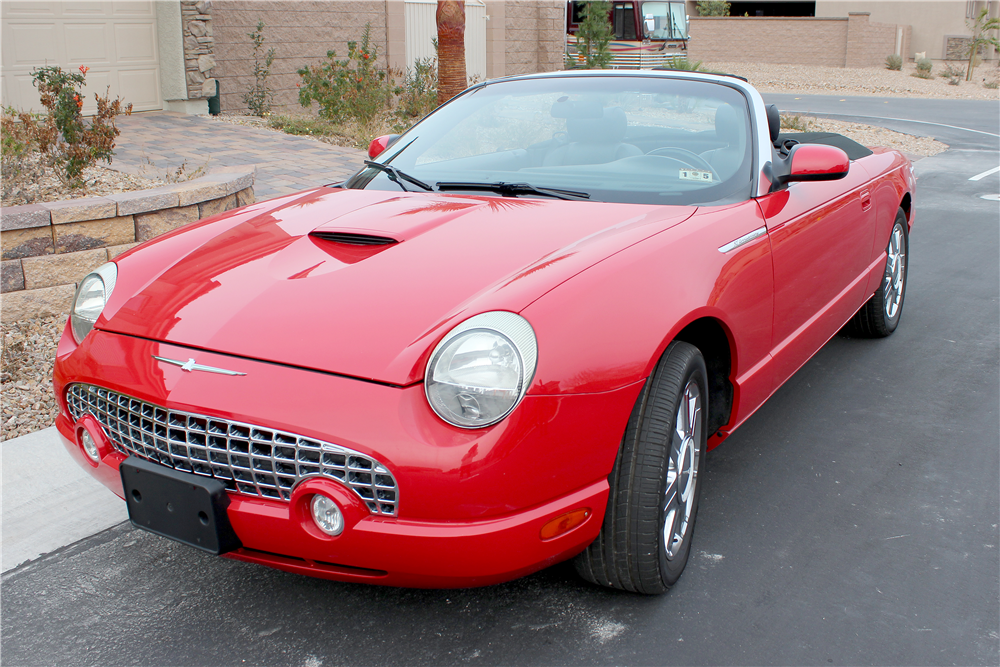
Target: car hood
277,283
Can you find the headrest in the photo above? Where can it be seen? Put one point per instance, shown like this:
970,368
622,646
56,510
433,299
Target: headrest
773,121
607,130
728,125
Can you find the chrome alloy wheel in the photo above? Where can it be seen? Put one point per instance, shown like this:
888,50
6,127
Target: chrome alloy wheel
682,470
895,271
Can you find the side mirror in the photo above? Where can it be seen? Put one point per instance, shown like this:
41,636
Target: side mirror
650,24
379,144
813,162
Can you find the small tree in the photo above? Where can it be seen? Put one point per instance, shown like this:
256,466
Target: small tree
593,37
981,27
713,8
260,98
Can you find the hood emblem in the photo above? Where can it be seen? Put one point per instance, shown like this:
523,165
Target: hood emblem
189,366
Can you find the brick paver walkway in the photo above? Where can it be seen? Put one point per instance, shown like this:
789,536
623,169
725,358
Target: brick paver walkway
156,142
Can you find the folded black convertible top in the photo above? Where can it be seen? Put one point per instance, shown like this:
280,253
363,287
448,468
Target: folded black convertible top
853,149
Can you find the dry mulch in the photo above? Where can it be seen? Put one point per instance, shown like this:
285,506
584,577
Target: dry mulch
97,181
28,354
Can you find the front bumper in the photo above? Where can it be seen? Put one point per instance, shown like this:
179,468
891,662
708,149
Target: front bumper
472,503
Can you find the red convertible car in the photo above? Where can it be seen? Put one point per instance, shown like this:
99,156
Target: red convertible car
506,342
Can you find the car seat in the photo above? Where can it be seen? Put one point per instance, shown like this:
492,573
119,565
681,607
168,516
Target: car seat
730,131
594,140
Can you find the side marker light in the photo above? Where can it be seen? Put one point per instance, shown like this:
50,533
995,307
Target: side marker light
565,523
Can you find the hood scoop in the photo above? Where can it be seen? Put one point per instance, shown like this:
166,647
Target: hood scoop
353,238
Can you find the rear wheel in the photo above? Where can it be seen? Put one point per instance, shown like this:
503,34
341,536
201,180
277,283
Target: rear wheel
645,540
880,315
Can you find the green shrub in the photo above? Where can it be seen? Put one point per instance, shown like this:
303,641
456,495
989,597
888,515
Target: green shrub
794,123
713,8
418,91
924,67
259,97
894,62
352,89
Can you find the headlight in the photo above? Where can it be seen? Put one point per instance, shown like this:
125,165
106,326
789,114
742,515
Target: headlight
480,371
91,297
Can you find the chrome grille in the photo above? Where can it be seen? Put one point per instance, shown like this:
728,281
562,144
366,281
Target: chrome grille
251,460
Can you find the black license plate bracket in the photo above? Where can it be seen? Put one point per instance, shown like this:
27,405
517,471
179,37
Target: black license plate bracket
188,508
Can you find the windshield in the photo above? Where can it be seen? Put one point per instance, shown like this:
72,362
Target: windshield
669,20
621,139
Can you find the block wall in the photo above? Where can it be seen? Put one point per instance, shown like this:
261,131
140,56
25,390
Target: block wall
802,41
850,41
301,34
534,34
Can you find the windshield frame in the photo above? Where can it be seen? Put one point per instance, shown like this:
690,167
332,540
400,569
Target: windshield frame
758,134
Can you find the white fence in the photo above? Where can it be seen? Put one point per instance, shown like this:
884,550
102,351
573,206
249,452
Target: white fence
421,31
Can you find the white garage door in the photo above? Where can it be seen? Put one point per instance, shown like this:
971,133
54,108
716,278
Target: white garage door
116,40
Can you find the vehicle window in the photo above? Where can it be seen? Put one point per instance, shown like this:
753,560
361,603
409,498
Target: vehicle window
624,21
669,20
624,139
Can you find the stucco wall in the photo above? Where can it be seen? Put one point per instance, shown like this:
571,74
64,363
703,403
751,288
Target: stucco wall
301,34
931,20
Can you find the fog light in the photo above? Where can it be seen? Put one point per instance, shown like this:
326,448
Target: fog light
327,515
89,445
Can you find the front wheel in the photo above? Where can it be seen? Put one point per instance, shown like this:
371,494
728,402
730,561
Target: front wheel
880,315
645,540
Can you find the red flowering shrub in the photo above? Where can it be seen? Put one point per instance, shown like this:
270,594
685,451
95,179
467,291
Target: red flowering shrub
70,142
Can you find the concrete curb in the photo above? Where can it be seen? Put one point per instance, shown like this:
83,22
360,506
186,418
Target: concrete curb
48,501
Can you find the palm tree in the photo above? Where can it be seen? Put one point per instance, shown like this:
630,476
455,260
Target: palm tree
981,28
451,48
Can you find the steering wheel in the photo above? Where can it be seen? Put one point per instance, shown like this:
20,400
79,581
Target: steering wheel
685,157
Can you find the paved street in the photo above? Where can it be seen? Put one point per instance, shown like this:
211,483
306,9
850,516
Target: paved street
158,142
852,520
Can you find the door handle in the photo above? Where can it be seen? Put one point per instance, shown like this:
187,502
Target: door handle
866,200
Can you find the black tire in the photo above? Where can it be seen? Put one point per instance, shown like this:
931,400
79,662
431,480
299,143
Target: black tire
880,315
631,552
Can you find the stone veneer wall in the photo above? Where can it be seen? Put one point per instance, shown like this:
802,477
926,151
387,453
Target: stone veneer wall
48,247
831,42
199,43
301,34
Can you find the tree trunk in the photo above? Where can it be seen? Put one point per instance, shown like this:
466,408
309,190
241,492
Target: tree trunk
451,48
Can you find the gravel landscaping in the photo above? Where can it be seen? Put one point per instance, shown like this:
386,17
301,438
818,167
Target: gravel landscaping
29,351
97,181
876,81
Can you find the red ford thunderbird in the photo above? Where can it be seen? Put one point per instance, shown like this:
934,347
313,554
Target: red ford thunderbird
506,342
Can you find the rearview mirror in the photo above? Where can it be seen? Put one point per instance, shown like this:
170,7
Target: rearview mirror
379,144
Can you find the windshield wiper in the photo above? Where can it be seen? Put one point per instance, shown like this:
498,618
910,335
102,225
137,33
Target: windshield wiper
397,176
514,189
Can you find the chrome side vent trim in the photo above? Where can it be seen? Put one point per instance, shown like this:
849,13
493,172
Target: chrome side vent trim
350,238
743,240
